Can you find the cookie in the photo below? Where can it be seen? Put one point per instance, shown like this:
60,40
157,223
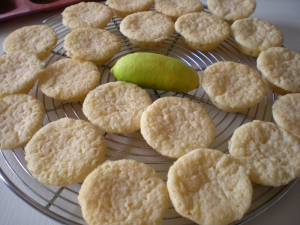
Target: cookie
36,39
233,87
270,153
65,151
18,72
147,29
116,107
174,126
92,44
21,116
69,80
202,31
209,187
123,192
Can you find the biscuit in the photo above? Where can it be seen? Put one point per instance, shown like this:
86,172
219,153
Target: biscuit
21,116
177,8
123,192
233,87
231,10
147,29
65,151
202,31
280,69
123,8
209,187
87,14
285,112
268,152
92,44
69,79
18,72
36,39
116,107
174,126
253,35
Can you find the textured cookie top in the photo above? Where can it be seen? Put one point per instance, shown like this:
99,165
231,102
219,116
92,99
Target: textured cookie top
174,126
69,79
116,107
202,27
147,26
285,112
123,192
209,187
177,8
231,10
37,39
87,14
233,86
130,6
65,151
19,72
270,153
281,67
20,117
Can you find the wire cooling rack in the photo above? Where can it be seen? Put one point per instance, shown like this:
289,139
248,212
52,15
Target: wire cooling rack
60,203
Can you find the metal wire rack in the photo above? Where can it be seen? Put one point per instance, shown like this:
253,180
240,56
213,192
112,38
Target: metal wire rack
60,203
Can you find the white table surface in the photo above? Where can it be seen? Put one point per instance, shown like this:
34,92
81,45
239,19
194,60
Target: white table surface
284,14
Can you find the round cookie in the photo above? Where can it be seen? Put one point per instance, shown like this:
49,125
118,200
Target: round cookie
36,39
116,107
209,187
174,126
18,72
177,8
92,44
65,151
233,87
69,79
123,8
21,116
231,10
202,31
285,112
123,192
147,29
280,69
270,153
87,14
253,35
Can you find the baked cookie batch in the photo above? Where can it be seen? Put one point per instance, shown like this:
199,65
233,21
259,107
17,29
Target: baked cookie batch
204,185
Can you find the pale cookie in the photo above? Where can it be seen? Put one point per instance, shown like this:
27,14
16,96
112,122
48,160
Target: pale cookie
270,153
21,116
65,151
123,192
18,72
280,69
285,112
92,44
231,10
147,29
174,126
36,39
123,8
209,187
69,79
233,87
87,14
177,8
116,107
202,31
253,35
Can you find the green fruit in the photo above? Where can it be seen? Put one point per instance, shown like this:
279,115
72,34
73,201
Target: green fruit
154,71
